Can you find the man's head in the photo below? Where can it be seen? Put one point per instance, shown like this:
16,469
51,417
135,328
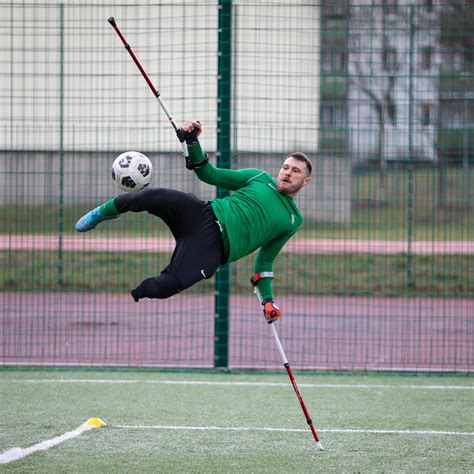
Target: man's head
294,174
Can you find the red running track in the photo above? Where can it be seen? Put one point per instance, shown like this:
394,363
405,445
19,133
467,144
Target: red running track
317,332
165,244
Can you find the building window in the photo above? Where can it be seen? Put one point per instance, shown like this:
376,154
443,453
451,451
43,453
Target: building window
389,59
457,59
333,114
425,115
426,58
391,110
334,8
333,61
457,113
468,56
390,7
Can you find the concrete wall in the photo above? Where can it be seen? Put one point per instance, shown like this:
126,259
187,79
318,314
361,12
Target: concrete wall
34,178
70,85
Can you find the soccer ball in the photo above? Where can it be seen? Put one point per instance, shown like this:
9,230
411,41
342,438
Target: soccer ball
132,171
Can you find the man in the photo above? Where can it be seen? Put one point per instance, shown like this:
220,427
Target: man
260,214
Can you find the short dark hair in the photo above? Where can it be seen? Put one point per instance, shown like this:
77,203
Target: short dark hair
298,155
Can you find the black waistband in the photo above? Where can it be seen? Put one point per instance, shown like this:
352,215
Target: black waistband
224,238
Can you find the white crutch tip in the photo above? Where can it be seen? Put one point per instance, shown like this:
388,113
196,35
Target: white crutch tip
319,446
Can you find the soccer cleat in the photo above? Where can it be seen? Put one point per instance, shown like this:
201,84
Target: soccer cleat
91,219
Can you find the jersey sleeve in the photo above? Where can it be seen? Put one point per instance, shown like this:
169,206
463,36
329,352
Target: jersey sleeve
264,263
224,178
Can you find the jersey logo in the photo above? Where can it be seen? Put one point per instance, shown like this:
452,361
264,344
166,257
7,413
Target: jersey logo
292,219
203,274
273,187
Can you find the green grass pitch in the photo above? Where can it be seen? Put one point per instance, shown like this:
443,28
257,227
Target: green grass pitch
160,421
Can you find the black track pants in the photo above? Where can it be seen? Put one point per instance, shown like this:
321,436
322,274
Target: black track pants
199,249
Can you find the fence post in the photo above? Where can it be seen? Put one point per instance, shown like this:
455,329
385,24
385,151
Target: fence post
224,90
410,217
61,147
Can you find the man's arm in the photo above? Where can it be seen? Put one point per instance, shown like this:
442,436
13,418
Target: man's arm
225,178
205,171
262,280
264,264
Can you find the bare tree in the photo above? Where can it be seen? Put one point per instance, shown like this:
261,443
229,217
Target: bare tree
372,65
384,44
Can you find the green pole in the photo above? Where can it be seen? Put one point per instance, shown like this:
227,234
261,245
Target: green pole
61,147
409,271
224,90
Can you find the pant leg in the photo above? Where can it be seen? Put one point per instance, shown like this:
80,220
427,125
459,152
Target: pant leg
197,256
161,287
179,211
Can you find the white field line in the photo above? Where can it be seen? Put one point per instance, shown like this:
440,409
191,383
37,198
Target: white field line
293,430
15,454
245,384
18,453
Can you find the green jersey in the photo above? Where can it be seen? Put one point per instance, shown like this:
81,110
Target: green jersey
255,216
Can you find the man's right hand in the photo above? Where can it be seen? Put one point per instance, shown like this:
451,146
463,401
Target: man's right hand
271,311
189,132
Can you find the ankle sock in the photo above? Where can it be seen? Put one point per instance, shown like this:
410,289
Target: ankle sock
109,209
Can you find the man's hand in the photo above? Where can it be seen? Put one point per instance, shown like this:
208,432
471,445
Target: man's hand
271,311
189,132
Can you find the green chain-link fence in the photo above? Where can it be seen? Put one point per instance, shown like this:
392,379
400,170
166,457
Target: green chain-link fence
378,94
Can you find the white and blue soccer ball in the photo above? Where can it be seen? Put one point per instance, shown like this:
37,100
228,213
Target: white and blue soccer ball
132,171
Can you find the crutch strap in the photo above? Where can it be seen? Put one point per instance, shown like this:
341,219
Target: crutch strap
259,276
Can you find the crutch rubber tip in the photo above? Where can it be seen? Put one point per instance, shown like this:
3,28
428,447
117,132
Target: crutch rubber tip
111,20
319,446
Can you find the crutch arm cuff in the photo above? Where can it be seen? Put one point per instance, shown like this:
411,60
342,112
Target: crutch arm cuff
259,276
197,158
190,165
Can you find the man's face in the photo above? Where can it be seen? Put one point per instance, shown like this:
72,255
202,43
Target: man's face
292,177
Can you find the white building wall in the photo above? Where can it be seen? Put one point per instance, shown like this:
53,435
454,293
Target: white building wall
107,105
411,81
